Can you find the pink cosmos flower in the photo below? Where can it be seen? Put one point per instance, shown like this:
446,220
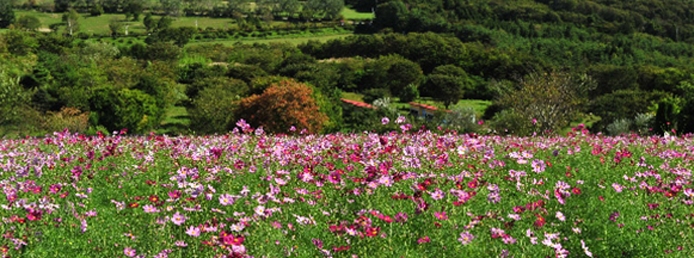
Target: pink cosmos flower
226,199
129,252
193,231
437,194
178,219
424,240
150,208
466,238
441,215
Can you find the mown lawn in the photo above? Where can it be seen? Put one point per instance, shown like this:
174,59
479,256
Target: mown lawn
351,14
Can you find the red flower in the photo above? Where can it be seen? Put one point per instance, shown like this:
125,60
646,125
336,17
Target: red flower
576,191
133,205
540,221
153,198
233,240
372,231
34,216
472,184
341,248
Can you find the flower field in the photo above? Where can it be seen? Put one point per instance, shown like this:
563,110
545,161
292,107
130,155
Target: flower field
402,194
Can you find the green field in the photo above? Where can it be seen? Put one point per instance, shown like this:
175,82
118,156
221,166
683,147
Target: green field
99,25
351,14
295,40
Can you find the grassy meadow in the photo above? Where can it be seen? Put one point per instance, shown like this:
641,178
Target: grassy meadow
400,194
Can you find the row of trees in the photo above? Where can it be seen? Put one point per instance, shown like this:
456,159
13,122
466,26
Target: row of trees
324,9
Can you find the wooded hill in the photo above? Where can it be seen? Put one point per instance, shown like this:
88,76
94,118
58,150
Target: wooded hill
620,65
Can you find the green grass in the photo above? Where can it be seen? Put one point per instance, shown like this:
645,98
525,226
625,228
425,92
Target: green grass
176,120
478,105
353,96
99,24
295,40
351,14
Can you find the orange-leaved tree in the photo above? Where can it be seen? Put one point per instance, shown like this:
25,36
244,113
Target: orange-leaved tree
282,105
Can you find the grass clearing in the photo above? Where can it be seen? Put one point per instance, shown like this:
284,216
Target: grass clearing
286,39
351,14
353,96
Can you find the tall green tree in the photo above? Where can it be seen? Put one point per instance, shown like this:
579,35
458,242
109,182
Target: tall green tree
28,22
286,8
6,13
392,14
329,8
133,8
172,7
552,99
447,84
71,19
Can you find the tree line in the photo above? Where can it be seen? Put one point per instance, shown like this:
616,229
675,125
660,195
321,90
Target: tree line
543,64
280,9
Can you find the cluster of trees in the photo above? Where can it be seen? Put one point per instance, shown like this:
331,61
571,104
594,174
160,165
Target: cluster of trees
544,64
265,9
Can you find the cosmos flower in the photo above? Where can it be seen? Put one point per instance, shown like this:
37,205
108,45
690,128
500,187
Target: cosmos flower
178,219
129,252
193,231
441,215
466,238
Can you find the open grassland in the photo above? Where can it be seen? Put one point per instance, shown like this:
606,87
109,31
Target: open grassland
99,25
351,14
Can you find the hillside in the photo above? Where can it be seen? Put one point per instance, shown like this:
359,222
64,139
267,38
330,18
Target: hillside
620,65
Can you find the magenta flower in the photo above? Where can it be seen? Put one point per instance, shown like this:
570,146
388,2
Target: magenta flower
441,215
385,121
317,242
335,178
175,194
424,240
178,219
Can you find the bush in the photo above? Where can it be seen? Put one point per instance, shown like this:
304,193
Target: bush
213,107
619,127
509,122
463,120
643,122
372,95
281,106
68,118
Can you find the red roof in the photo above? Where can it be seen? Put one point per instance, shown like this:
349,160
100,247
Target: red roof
425,106
358,103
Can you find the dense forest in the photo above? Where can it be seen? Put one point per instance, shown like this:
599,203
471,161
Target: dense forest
545,65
